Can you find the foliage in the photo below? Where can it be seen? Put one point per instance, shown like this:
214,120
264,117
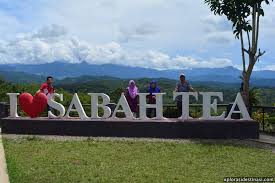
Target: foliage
268,123
258,116
114,88
254,97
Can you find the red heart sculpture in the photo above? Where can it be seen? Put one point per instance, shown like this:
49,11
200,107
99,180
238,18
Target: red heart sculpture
33,106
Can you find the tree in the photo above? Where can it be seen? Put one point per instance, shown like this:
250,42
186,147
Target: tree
254,98
245,18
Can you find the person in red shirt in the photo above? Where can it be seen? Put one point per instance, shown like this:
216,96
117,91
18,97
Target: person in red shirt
47,88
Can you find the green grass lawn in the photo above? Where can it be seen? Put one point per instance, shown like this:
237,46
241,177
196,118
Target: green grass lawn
48,161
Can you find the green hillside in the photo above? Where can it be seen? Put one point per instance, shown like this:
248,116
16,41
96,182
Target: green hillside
21,77
20,82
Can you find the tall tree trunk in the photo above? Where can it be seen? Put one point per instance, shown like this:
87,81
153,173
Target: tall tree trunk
247,76
252,54
245,93
242,47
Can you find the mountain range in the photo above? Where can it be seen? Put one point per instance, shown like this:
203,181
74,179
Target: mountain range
63,70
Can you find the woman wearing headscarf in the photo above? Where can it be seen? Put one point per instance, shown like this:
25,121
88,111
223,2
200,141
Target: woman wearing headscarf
131,95
153,88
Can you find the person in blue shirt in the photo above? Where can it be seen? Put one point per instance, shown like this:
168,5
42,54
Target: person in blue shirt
153,88
182,86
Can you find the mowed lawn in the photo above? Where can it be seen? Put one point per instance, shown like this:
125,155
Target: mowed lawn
33,160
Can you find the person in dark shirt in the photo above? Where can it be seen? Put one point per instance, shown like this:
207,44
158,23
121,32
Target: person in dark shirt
153,88
182,86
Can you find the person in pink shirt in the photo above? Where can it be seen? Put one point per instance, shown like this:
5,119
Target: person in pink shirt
131,94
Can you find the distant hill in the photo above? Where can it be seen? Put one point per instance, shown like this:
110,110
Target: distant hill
61,70
21,77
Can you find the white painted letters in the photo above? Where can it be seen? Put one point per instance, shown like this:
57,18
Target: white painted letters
185,102
78,108
242,108
55,105
207,105
96,105
13,104
125,108
122,103
158,106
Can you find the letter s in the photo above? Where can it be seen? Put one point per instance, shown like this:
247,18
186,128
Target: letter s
56,105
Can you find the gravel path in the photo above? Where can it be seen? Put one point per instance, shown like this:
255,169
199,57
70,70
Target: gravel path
264,142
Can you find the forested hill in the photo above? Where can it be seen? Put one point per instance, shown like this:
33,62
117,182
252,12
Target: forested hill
114,87
20,81
111,86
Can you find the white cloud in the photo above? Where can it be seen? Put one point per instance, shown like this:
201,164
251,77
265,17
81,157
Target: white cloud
52,43
268,67
218,30
215,22
120,31
190,62
143,24
139,32
220,37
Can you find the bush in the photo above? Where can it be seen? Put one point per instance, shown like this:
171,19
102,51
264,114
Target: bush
269,122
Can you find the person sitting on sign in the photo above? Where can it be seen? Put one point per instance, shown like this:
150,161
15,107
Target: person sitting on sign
182,86
153,88
47,88
131,94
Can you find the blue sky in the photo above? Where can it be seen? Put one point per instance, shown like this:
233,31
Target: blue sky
160,34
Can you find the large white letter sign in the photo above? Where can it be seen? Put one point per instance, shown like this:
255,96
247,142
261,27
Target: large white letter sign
13,104
185,102
78,108
242,108
125,108
56,105
207,106
96,105
143,105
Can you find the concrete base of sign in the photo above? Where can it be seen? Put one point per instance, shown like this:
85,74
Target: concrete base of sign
170,128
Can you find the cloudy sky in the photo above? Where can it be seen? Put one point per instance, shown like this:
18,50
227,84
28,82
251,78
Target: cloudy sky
160,34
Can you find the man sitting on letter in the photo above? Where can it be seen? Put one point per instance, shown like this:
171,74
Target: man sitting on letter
47,88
